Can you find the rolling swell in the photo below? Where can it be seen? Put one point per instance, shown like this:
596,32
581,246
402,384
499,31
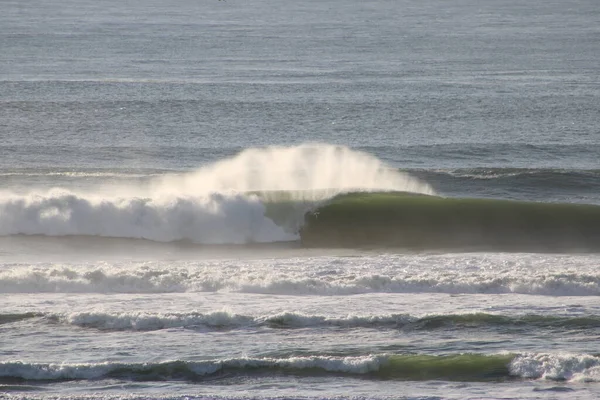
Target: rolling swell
454,367
222,320
423,222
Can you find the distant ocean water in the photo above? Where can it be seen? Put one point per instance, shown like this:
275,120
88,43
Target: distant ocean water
319,199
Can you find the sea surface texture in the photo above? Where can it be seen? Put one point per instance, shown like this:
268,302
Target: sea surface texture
331,199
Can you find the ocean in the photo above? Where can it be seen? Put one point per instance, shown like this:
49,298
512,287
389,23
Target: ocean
329,199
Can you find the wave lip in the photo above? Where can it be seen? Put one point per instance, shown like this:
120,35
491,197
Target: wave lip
429,222
454,367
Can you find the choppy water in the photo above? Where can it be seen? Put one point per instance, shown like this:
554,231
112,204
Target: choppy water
157,159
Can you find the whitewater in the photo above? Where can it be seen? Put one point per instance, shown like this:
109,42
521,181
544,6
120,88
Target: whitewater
310,200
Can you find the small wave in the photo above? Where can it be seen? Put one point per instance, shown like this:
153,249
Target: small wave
557,367
219,320
456,367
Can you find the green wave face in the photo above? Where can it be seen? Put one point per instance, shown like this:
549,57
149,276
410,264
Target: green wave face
423,222
460,367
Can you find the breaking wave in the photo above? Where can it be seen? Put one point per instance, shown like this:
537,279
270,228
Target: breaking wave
456,367
223,320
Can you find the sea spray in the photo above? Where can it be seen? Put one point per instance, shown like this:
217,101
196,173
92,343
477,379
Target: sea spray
308,171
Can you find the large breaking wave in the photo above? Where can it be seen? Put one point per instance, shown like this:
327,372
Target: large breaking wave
320,195
217,204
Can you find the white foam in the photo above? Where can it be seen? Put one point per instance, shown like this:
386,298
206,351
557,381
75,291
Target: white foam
212,205
299,320
562,367
208,219
291,277
147,322
536,274
312,170
553,367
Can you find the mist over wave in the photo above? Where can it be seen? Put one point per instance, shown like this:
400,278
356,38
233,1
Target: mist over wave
227,320
216,204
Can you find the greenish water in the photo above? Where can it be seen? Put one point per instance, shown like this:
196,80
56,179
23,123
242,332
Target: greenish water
430,222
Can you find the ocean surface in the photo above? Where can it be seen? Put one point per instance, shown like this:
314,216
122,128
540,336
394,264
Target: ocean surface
332,199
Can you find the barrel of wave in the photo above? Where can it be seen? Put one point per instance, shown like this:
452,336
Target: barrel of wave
423,222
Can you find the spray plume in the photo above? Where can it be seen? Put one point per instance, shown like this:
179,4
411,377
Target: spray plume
219,203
